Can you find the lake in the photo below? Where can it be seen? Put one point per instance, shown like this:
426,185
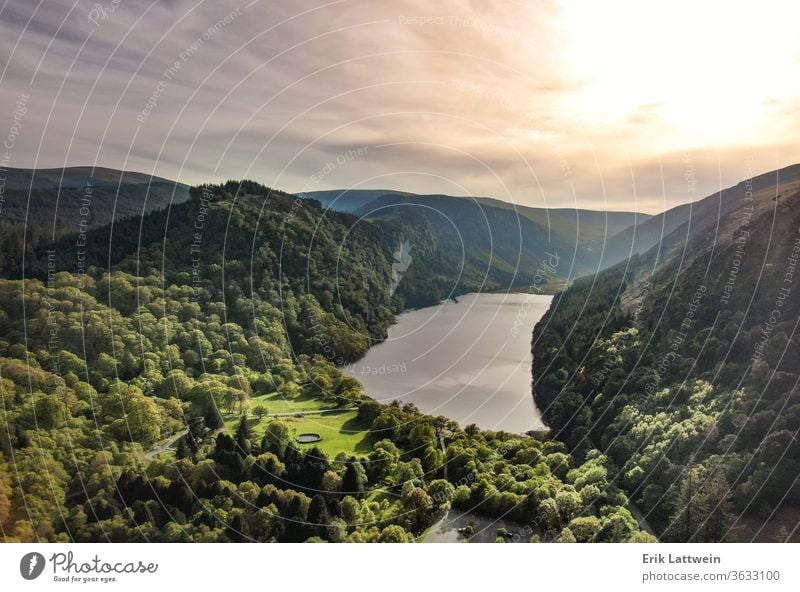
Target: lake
468,360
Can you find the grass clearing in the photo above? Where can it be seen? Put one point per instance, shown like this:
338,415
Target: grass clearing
275,403
340,430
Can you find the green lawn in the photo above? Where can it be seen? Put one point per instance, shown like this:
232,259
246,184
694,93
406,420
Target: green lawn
275,403
340,431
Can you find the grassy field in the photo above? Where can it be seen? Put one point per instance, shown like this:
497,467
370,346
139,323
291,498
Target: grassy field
340,431
275,403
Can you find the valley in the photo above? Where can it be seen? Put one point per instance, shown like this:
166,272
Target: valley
233,337
292,372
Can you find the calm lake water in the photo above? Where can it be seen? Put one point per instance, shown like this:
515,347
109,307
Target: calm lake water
469,361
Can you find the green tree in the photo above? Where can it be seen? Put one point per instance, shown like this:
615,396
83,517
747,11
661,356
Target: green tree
243,435
353,480
416,506
276,438
394,533
585,528
212,418
441,492
566,536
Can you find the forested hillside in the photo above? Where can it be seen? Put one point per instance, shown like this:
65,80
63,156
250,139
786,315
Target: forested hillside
156,376
510,239
682,366
500,248
39,205
678,224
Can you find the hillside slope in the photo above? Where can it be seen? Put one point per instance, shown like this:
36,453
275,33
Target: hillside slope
685,221
40,204
682,365
593,224
519,239
579,235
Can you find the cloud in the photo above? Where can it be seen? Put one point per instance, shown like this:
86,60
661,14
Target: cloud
534,102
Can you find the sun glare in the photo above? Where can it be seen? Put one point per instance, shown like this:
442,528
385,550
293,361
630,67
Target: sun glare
706,72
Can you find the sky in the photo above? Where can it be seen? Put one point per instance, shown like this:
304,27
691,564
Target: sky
617,105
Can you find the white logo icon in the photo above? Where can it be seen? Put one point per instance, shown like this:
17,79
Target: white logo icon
31,565
402,259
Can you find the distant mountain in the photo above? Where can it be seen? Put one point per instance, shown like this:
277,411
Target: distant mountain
487,248
58,200
518,237
78,176
348,200
687,220
462,244
593,223
589,225
40,205
681,365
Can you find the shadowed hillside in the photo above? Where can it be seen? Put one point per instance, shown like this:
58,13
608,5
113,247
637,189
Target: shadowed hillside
681,364
42,204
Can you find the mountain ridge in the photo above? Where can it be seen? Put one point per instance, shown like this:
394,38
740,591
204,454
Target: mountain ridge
696,216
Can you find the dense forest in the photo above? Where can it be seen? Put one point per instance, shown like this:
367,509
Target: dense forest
682,366
156,375
39,205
